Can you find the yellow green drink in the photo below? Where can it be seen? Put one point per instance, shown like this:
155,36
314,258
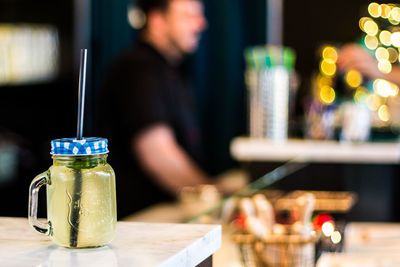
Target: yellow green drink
81,202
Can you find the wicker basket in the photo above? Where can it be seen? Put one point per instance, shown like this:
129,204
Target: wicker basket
278,250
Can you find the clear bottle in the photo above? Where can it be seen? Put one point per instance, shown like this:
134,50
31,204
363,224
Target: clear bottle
81,201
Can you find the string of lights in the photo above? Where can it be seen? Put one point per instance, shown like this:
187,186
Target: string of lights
382,39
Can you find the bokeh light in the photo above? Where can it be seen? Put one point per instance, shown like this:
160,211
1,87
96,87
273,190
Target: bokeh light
324,80
353,78
327,68
385,38
336,237
362,22
393,55
381,87
385,43
385,88
395,89
395,14
327,94
384,66
383,113
385,11
371,28
328,228
395,39
381,54
330,54
374,10
371,42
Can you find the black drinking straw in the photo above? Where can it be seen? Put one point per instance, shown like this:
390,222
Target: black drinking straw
76,197
81,94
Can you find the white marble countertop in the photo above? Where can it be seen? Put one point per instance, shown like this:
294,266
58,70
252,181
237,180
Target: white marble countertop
227,256
248,149
135,244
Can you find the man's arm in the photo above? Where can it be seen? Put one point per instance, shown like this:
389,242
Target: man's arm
165,161
353,56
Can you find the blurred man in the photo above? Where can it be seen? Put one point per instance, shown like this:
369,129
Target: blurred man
147,110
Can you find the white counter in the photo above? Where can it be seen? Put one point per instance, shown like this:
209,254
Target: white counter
367,244
248,149
364,237
135,244
227,256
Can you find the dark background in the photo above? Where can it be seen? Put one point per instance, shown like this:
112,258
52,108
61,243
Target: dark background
32,115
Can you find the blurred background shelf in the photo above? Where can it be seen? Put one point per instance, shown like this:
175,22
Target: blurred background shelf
248,149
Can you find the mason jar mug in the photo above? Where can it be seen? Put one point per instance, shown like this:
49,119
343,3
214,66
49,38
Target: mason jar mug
81,201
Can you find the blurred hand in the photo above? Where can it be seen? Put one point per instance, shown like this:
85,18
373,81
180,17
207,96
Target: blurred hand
232,181
353,56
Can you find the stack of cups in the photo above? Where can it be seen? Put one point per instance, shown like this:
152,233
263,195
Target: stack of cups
267,79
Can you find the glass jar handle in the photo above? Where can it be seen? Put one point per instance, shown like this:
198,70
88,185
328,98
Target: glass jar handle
37,182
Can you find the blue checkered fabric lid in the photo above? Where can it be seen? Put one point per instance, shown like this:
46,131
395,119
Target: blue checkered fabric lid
73,147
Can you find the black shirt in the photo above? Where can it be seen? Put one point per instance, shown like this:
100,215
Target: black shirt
143,90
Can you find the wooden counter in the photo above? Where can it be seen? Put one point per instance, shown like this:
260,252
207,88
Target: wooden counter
135,244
